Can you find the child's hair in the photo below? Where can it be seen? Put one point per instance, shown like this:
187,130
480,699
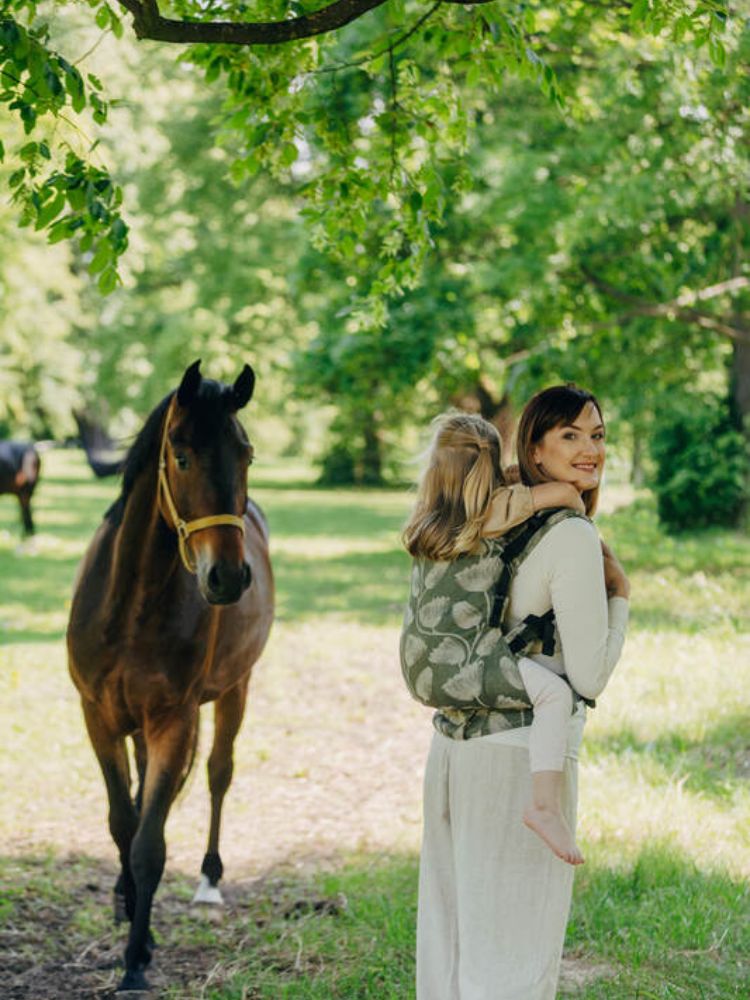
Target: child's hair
455,491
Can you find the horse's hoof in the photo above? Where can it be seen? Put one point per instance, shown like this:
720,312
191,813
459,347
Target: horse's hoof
133,982
207,893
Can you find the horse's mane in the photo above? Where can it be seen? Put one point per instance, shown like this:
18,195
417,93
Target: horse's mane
138,456
208,406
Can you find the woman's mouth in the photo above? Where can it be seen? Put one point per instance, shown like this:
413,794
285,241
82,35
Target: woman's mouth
585,466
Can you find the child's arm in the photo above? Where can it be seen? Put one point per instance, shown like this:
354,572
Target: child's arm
557,495
512,505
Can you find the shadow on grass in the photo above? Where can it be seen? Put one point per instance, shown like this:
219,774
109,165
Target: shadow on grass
717,764
358,587
337,516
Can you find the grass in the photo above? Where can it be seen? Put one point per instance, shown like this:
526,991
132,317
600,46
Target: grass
661,908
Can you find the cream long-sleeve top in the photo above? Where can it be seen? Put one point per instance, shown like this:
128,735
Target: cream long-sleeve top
565,571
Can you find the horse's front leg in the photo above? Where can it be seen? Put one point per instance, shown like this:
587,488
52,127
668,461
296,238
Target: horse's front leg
122,913
123,821
228,712
168,743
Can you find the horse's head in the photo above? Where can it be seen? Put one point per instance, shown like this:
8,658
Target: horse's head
203,478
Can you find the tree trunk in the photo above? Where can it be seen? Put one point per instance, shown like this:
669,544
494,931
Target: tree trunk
636,466
370,472
500,413
741,382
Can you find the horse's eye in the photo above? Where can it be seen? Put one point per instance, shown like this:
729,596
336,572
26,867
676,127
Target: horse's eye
181,460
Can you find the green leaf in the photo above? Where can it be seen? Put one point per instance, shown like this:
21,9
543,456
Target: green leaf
50,211
108,281
101,258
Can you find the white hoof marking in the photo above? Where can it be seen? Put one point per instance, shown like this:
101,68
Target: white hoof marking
207,893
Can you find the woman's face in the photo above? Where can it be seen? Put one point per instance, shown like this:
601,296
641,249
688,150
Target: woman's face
574,453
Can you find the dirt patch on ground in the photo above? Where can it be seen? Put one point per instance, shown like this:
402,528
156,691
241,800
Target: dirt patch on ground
328,765
577,972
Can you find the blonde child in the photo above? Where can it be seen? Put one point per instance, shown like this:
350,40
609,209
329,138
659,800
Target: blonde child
463,498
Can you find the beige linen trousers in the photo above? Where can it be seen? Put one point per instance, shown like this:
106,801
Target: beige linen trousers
493,899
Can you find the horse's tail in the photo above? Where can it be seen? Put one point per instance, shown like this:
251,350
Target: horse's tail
102,454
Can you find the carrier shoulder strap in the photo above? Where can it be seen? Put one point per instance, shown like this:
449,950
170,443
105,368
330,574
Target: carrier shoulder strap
516,547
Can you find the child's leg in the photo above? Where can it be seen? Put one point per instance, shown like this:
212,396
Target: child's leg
553,702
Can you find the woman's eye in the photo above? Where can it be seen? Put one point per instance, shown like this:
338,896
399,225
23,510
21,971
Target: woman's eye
181,461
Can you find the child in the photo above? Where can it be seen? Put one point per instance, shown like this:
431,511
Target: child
463,498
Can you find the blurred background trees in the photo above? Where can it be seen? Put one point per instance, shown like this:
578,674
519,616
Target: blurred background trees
501,200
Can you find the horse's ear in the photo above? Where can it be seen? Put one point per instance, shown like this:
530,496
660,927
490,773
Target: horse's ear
242,390
191,383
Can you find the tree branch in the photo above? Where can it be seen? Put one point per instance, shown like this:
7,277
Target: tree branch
682,307
148,23
388,48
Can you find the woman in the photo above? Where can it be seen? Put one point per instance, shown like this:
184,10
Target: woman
493,900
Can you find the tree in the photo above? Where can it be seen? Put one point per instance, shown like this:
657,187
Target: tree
607,246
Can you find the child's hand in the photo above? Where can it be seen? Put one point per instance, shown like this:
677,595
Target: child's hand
615,580
557,495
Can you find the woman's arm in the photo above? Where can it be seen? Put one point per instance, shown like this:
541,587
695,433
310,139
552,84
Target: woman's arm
591,626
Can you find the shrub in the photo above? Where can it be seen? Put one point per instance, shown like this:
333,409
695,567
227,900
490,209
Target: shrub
701,460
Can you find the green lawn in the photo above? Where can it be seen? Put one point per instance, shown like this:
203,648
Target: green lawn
661,907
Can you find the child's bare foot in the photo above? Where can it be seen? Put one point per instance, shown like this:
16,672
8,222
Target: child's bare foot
550,825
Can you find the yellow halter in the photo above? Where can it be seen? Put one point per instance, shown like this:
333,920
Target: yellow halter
185,529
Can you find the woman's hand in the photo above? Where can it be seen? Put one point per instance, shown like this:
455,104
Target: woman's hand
615,580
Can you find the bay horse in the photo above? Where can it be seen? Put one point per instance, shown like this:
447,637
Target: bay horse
172,606
19,474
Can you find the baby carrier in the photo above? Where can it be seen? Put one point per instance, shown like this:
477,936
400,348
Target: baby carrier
456,655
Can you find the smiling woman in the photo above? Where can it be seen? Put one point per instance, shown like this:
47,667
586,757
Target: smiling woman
561,437
493,899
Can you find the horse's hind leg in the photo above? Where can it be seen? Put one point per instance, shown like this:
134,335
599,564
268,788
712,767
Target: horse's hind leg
123,821
228,711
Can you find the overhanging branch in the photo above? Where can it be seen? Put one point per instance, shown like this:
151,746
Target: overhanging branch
148,23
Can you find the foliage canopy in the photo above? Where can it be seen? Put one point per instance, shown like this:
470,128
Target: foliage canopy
363,106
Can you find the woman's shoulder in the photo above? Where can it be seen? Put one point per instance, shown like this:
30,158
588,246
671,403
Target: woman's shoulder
570,546
569,536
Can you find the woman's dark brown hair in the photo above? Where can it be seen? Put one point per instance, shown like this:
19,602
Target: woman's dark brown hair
557,406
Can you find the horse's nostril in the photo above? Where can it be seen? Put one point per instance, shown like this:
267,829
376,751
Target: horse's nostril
246,575
214,580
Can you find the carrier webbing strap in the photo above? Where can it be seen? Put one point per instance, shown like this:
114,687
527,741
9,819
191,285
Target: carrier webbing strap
540,627
509,554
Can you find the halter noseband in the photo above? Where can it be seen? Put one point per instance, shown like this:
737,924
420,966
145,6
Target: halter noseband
185,529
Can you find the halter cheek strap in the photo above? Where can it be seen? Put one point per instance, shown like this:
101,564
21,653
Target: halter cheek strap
183,528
